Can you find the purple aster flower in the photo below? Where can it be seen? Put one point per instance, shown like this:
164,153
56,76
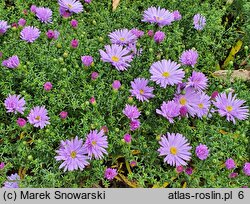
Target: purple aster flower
30,34
44,14
33,8
63,114
246,169
151,33
214,95
94,75
57,33
190,99
177,15
47,86
202,151
72,153
2,165
71,5
189,171
138,33
12,62
166,72
3,27
175,148
38,117
117,55
110,173
64,13
159,36
96,144
198,81
169,110
131,112
183,111
14,103
203,105
122,37
231,107
159,16
199,21
140,89
233,175
74,43
230,164
127,138
134,124
74,23
179,169
22,22
87,1
116,84
12,181
21,122
87,60
189,57
50,34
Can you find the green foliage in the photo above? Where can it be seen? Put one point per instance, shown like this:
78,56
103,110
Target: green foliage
44,61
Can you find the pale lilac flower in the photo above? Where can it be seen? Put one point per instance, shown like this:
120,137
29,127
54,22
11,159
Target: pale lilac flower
198,81
14,103
87,60
96,144
159,16
44,14
166,72
63,115
199,21
169,110
94,75
38,117
159,36
230,164
57,33
33,8
12,181
30,34
246,169
116,84
21,22
175,149
110,173
122,37
21,122
202,151
189,57
72,153
127,138
12,62
3,27
177,15
47,86
134,124
118,56
131,112
203,105
231,107
140,89
71,5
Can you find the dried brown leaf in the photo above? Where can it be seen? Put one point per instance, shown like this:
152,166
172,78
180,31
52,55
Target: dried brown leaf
115,4
236,74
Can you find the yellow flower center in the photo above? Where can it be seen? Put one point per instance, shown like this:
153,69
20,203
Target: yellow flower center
115,59
173,150
200,105
70,6
38,117
183,101
122,39
158,18
229,108
93,142
165,74
73,154
141,91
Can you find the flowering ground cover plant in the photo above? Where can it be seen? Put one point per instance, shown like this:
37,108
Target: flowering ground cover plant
92,97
